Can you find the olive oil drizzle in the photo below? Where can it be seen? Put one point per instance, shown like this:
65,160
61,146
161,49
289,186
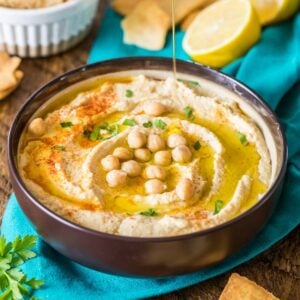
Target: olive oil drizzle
173,40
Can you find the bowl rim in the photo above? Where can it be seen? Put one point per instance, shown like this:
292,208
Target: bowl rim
100,234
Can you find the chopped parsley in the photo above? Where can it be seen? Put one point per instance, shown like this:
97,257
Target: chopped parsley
104,125
159,124
14,283
188,111
59,148
197,145
129,93
192,82
66,124
149,213
218,206
148,124
129,122
95,134
114,129
243,139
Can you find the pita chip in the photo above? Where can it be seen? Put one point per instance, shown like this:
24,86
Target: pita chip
146,26
8,66
182,7
124,7
241,288
18,76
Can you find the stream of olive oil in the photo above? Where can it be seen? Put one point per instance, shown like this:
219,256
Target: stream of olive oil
173,40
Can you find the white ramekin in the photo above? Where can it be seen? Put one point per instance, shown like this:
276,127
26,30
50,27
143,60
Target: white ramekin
45,31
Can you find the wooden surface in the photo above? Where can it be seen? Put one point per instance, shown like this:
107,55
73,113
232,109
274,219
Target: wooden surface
278,269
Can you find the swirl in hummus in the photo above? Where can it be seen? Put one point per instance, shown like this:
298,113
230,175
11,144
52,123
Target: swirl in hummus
129,158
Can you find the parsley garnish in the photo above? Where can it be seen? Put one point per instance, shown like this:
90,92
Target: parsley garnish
129,122
114,129
95,134
218,206
105,126
243,139
149,213
66,124
59,148
159,124
197,145
14,284
129,93
191,82
188,111
147,124
195,83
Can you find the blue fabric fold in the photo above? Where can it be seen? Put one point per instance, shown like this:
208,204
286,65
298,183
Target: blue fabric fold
272,69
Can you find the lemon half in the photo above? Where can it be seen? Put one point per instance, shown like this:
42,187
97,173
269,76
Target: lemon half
222,32
271,11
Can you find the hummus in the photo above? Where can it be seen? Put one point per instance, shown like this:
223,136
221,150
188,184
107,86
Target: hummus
145,157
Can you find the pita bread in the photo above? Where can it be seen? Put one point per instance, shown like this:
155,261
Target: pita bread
241,288
18,76
146,26
182,7
124,7
188,20
8,66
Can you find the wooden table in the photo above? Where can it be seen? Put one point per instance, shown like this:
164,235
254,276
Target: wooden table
278,269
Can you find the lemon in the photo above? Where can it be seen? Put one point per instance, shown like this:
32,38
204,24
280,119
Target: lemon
271,11
222,32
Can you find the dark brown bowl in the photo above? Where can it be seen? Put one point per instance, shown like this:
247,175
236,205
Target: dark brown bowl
132,256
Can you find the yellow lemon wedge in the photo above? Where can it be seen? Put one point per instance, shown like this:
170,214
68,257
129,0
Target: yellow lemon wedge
222,32
271,11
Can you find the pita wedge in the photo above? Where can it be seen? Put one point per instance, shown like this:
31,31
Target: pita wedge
241,288
8,66
188,20
10,76
182,8
4,93
146,26
124,7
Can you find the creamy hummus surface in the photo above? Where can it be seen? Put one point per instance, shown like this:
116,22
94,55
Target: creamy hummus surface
145,157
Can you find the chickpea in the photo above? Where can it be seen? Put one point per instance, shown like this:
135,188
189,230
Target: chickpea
181,154
116,178
122,153
155,143
132,168
136,139
37,127
175,140
110,162
142,154
185,189
157,172
163,158
154,109
155,186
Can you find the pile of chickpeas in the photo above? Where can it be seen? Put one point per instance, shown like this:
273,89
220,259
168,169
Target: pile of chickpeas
127,162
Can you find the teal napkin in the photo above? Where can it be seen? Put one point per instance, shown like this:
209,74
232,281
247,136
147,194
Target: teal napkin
272,68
